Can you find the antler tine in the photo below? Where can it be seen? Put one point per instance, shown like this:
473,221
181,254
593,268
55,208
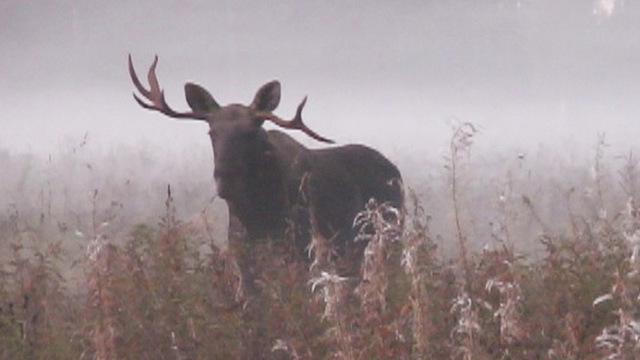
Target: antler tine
136,81
295,123
152,78
156,95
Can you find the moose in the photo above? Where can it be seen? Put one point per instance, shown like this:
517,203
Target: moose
272,183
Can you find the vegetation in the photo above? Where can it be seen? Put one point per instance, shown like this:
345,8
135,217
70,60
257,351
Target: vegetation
520,259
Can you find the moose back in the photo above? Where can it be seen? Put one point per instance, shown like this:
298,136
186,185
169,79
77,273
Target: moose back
273,184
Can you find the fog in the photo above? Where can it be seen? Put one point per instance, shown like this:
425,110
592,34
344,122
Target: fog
551,86
388,74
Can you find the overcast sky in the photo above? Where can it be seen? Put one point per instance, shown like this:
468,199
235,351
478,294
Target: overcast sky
386,73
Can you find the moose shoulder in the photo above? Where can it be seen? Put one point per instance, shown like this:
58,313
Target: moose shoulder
271,182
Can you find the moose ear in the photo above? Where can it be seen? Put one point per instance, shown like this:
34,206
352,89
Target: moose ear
199,99
267,98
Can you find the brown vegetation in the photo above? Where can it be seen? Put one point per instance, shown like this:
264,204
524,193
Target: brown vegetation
82,282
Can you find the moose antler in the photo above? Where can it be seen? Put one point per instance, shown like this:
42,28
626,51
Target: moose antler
295,123
156,95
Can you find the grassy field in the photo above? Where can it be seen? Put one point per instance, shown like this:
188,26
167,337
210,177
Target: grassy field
503,256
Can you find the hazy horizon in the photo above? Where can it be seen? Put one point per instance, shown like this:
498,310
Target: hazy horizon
391,75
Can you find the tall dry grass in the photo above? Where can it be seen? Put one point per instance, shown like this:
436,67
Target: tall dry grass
533,258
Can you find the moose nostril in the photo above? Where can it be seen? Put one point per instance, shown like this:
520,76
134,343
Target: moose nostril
221,173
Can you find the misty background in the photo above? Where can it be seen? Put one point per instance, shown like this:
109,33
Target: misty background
389,74
540,79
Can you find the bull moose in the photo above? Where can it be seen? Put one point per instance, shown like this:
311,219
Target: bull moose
269,180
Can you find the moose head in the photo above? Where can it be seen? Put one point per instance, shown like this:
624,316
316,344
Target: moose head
243,157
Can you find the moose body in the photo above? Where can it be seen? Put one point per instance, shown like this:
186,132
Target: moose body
331,184
272,183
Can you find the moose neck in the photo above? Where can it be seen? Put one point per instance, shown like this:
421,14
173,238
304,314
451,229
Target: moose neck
262,210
